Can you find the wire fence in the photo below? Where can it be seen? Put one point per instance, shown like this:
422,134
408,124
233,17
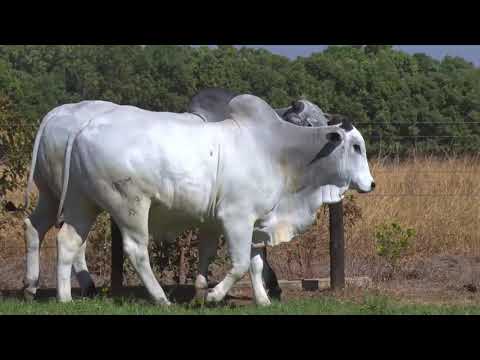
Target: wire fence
403,183
381,140
396,169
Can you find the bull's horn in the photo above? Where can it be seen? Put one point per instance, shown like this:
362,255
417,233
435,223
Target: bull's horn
298,106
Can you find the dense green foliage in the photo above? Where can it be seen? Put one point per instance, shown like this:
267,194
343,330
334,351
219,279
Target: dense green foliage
376,84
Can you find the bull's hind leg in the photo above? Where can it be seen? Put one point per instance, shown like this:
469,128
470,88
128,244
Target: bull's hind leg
207,251
78,220
82,274
36,226
270,278
238,235
132,221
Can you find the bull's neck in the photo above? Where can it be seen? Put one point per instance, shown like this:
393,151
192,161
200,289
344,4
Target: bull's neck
299,145
294,148
301,193
299,208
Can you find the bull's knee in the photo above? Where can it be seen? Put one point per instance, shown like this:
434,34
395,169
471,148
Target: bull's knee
240,269
132,250
201,282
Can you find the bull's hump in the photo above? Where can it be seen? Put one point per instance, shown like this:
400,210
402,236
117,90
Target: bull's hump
250,108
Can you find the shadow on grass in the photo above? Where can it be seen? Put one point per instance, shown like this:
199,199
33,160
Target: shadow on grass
179,294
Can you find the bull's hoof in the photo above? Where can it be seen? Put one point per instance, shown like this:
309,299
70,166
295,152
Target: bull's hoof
275,294
264,303
162,302
65,300
212,298
90,292
200,296
29,295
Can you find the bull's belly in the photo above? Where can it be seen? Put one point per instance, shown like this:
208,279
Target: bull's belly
183,205
167,224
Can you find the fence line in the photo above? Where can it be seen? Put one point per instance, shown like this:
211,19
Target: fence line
363,123
417,123
420,136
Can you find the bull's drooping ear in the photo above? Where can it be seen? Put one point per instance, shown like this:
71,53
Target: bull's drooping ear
334,140
334,137
333,119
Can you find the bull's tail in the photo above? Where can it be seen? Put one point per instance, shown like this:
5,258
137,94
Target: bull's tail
66,176
66,171
36,145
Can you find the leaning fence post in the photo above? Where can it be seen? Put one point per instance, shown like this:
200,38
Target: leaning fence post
116,277
337,246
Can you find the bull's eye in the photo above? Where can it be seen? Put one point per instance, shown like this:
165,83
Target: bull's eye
357,148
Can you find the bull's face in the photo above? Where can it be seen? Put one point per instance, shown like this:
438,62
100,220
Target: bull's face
343,160
357,164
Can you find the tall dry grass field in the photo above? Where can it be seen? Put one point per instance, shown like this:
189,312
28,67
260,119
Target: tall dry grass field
438,198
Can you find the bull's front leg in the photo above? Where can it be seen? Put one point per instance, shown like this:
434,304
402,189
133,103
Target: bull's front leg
238,235
256,271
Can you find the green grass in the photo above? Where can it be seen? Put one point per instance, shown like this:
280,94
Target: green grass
369,305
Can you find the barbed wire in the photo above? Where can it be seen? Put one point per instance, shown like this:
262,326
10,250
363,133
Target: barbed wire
413,172
355,123
424,195
379,137
23,247
416,123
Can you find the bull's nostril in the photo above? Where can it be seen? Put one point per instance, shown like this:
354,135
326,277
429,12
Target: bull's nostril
373,185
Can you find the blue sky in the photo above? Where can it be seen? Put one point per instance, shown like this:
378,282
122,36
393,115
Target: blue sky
469,52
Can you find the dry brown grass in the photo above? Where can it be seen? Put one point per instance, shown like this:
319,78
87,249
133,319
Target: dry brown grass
439,198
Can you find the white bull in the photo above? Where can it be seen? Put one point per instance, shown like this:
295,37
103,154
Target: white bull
250,172
62,124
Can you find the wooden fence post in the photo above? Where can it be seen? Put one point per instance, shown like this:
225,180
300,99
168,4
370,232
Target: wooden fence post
182,266
116,277
337,247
